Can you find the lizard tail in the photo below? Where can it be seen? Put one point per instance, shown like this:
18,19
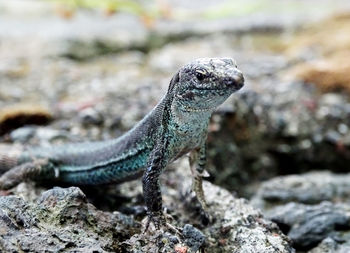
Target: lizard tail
9,157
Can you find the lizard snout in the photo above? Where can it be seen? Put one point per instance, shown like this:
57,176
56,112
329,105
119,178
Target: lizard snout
236,79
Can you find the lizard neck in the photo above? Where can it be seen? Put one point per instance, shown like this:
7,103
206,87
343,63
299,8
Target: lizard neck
185,130
189,121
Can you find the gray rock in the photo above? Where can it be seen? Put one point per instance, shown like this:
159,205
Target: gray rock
308,225
236,226
40,135
22,134
308,188
330,245
65,221
61,220
194,238
90,116
314,218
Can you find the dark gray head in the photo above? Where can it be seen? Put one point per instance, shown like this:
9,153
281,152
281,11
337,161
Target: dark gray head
205,83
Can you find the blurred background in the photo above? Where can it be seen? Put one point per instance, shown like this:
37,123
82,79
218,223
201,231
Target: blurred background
74,70
92,68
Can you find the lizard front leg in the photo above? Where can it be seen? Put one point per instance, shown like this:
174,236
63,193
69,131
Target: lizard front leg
151,189
197,164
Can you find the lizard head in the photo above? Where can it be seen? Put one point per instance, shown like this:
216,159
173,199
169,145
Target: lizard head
205,83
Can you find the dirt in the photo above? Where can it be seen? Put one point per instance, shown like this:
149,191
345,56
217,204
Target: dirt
322,51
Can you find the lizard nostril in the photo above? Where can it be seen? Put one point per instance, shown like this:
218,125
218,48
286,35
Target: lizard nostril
236,80
229,80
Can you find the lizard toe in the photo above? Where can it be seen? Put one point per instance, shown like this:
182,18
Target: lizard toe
159,221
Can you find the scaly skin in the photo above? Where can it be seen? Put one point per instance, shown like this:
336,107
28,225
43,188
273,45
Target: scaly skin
176,126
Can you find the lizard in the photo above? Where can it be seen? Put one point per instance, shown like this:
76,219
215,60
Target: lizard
177,125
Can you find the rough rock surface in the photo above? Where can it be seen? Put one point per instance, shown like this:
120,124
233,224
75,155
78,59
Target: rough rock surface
312,209
309,188
330,245
61,219
308,225
273,124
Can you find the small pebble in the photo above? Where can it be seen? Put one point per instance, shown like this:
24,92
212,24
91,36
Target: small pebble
90,116
181,249
194,238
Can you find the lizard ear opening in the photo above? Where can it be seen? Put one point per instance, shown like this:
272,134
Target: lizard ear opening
174,81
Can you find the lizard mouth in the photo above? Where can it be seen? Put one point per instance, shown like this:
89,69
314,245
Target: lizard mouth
229,83
190,109
216,89
223,87
209,88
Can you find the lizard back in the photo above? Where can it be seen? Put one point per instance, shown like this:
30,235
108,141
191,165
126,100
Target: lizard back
100,162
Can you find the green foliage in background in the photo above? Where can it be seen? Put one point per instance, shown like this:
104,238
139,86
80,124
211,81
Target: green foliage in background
150,10
133,7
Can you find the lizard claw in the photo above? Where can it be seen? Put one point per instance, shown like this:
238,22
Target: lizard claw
157,218
159,221
206,217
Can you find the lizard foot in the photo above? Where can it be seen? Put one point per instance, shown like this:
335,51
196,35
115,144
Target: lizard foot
206,217
160,223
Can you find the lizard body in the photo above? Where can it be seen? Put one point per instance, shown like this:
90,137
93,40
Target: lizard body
177,125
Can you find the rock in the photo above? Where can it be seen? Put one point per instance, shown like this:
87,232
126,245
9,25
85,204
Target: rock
65,220
330,245
308,225
237,227
61,220
309,188
194,238
34,134
22,134
89,116
309,208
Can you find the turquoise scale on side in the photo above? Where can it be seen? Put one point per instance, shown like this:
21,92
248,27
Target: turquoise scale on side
112,172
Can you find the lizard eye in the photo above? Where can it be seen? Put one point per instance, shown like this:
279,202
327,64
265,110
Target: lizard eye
200,75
